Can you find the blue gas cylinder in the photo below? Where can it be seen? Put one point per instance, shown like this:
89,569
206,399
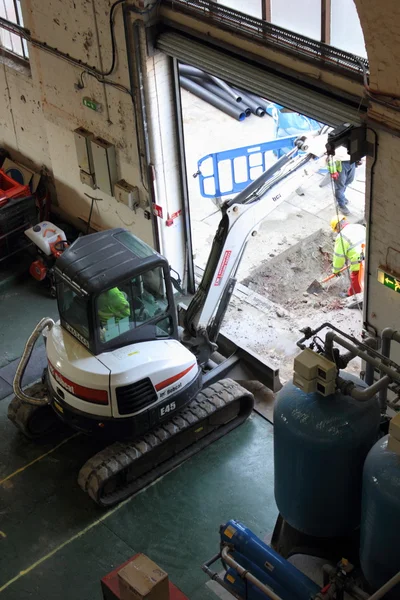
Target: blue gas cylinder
380,518
320,444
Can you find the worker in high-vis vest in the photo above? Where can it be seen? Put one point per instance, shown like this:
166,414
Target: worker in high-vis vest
112,304
348,250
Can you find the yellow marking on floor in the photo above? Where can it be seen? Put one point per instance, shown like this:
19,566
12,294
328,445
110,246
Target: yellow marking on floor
61,546
21,469
2,534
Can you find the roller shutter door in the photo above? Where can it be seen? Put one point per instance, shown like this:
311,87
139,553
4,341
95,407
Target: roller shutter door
321,106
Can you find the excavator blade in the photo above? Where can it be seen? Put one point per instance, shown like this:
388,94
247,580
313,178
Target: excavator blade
124,468
241,364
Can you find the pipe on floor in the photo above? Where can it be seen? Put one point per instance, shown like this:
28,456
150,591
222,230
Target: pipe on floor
227,88
189,71
255,108
214,89
215,101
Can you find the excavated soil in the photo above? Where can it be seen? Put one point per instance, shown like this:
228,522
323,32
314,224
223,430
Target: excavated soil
284,278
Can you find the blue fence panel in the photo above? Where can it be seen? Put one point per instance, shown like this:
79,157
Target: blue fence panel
229,172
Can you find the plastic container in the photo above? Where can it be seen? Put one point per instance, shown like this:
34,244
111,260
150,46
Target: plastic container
320,444
9,188
44,235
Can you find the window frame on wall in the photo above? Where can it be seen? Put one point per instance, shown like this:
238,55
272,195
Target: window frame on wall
324,30
12,44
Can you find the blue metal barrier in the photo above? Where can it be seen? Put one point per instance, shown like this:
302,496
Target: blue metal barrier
228,172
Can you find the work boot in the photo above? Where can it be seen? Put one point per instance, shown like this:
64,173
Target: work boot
344,210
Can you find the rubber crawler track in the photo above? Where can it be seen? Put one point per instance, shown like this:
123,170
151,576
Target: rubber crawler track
34,421
124,468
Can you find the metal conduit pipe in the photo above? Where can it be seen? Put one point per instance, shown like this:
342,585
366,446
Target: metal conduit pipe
247,575
214,89
388,334
45,323
207,96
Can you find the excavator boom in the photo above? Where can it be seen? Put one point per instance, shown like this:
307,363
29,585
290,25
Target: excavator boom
240,220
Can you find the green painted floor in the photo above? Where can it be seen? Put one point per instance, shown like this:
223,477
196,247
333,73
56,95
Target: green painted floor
55,543
21,308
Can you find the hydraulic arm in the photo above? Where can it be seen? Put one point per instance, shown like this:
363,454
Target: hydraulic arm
240,220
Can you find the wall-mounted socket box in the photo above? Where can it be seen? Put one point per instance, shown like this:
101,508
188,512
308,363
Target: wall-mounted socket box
83,138
105,166
87,179
127,194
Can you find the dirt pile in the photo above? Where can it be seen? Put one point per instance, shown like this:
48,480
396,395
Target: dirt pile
285,278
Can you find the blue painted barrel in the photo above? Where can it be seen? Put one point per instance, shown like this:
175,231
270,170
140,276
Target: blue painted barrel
320,444
380,519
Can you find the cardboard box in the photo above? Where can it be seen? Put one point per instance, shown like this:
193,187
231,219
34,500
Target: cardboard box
110,587
142,579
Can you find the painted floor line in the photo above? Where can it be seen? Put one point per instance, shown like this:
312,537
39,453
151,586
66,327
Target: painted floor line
21,469
61,546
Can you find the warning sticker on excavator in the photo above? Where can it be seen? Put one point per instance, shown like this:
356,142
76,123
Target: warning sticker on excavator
222,269
230,532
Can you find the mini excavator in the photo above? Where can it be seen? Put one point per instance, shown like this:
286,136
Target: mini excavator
121,367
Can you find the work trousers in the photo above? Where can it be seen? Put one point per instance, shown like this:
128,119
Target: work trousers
346,177
355,285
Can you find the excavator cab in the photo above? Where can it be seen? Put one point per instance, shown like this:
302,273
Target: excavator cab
114,290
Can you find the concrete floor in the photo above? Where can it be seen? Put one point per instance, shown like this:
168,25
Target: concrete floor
56,543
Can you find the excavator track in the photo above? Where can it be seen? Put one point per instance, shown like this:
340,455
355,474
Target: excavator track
124,468
34,421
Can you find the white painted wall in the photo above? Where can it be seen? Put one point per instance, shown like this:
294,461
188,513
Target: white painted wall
39,112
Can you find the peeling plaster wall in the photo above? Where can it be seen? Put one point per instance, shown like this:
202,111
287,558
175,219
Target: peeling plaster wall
39,112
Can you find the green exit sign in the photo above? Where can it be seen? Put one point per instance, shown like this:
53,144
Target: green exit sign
92,104
389,280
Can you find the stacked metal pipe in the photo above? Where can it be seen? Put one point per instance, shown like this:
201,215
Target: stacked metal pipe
231,100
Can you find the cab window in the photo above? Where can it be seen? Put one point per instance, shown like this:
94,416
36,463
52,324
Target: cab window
132,304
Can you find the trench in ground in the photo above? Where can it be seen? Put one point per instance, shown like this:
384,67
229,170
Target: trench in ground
285,278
